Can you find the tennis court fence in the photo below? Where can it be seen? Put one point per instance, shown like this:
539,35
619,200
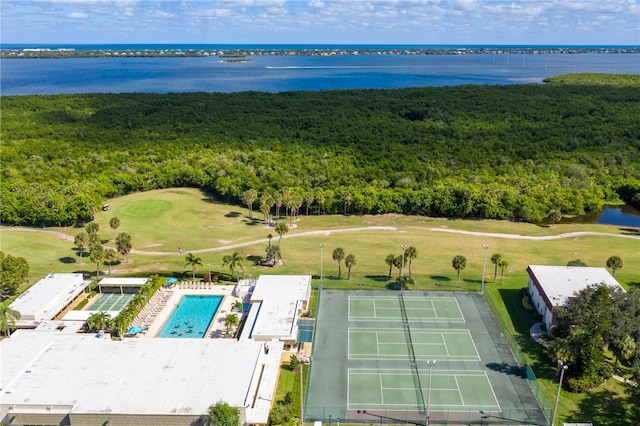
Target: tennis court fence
532,380
333,416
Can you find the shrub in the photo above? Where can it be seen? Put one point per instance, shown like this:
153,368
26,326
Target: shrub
294,362
280,414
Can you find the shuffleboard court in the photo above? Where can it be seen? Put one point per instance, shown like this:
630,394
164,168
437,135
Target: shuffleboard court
110,302
440,309
371,343
451,390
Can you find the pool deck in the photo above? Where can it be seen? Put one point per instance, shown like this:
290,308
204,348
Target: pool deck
175,293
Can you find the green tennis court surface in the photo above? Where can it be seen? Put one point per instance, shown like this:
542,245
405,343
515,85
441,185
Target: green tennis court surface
451,390
110,302
441,309
371,343
369,352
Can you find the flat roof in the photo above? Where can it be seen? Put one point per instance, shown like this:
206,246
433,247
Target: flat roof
123,282
85,374
560,283
280,298
49,296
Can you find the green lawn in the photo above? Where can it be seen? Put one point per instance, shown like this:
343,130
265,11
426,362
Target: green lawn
161,221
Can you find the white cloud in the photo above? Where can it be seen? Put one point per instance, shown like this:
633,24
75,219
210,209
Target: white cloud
77,15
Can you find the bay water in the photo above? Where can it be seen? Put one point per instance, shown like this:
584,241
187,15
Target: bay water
281,73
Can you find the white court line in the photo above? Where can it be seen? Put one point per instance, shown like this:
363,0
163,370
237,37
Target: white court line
445,373
446,348
381,388
493,392
459,392
460,310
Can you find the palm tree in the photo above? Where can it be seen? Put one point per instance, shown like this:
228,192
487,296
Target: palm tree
320,200
96,255
266,203
459,263
350,262
269,237
615,263
81,241
193,261
295,202
338,256
92,228
495,259
234,260
277,199
8,317
110,256
346,198
94,239
98,321
410,253
623,348
397,262
502,264
265,209
281,229
389,261
248,197
114,223
231,321
123,244
308,199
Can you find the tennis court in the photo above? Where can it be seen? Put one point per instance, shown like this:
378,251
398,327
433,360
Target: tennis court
441,309
451,390
372,343
368,363
110,302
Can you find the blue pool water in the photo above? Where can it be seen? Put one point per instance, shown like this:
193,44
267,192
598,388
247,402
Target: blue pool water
192,316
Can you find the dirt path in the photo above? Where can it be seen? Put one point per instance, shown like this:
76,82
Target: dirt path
341,230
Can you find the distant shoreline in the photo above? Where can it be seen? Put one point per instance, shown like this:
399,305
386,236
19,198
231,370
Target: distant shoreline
106,51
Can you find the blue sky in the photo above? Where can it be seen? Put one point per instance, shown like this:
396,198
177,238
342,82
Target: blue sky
555,22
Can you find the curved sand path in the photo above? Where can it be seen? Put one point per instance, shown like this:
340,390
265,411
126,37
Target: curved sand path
364,228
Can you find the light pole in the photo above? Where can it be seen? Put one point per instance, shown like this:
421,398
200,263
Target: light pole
430,364
403,247
321,258
484,267
563,367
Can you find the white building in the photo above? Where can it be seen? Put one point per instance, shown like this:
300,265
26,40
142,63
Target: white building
277,302
56,378
551,286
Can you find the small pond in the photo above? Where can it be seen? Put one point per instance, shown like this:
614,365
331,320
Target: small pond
625,216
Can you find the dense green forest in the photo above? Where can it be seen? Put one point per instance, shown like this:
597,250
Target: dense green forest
505,152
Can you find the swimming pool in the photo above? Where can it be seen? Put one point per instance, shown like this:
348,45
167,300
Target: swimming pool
192,317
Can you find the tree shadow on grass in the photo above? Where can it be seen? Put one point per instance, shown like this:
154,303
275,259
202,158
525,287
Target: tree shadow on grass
253,222
630,231
604,407
378,278
439,278
233,214
67,260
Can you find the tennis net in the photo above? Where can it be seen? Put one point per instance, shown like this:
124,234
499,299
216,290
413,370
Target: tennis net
412,355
